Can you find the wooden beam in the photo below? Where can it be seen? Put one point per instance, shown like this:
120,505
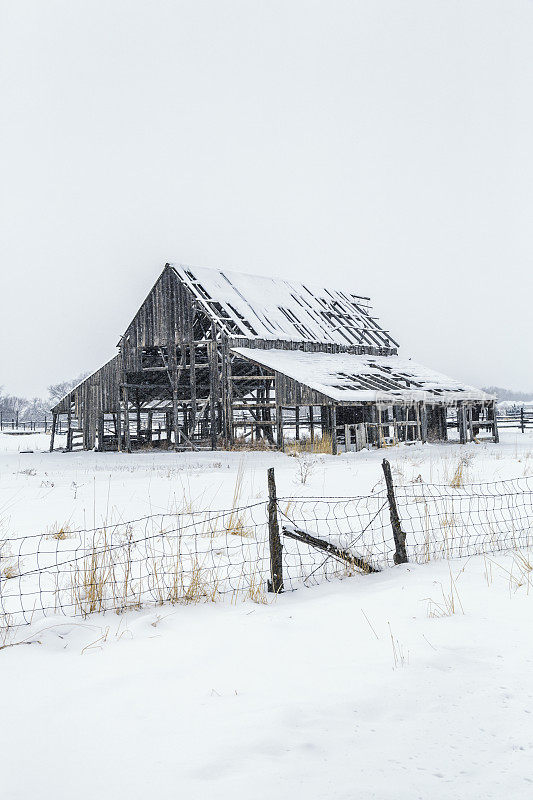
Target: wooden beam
127,436
279,426
334,446
212,351
252,377
53,433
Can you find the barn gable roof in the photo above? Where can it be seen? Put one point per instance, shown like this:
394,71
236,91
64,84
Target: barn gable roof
251,306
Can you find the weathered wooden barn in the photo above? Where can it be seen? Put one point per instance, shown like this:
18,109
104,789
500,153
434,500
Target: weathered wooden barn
213,358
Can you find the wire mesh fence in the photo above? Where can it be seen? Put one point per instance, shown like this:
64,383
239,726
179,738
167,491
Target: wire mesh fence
438,522
209,555
151,561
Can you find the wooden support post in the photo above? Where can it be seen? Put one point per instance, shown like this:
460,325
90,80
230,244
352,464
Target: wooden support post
400,556
311,424
334,446
268,433
347,439
175,411
149,425
185,426
424,421
53,433
138,416
470,427
226,383
475,413
279,426
192,380
495,433
127,438
444,423
69,426
372,436
118,427
212,351
229,399
275,584
100,431
324,421
522,426
461,423
418,423
297,422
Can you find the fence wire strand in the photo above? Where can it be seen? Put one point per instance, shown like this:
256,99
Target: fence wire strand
208,555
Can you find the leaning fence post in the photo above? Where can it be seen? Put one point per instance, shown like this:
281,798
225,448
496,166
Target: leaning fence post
276,562
400,556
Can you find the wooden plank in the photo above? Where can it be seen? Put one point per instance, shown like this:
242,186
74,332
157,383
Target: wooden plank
328,547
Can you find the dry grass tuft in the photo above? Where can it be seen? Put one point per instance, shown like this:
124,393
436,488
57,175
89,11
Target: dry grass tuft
243,443
457,482
256,590
400,656
91,577
320,444
200,588
59,532
448,605
9,571
236,524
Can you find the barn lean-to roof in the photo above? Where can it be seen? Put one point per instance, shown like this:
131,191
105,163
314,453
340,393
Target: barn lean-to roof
253,306
349,378
94,378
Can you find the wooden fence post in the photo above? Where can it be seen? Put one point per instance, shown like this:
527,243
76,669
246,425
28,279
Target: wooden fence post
400,556
53,433
276,561
495,433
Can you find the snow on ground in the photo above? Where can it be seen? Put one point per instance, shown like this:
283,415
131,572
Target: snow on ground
300,698
360,688
40,490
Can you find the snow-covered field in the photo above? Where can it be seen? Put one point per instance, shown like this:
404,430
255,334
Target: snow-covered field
40,490
416,682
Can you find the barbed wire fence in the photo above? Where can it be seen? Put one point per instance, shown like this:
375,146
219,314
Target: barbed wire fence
279,545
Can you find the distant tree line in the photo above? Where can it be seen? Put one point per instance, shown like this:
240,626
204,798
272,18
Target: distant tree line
508,394
24,409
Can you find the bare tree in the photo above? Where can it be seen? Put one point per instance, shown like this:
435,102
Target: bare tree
58,390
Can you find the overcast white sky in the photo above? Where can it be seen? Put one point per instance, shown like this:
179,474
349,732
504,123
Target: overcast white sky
384,146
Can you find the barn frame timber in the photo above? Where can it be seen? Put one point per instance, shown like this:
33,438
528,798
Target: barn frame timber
216,358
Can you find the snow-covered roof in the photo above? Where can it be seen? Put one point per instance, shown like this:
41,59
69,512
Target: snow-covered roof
273,308
349,378
85,379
